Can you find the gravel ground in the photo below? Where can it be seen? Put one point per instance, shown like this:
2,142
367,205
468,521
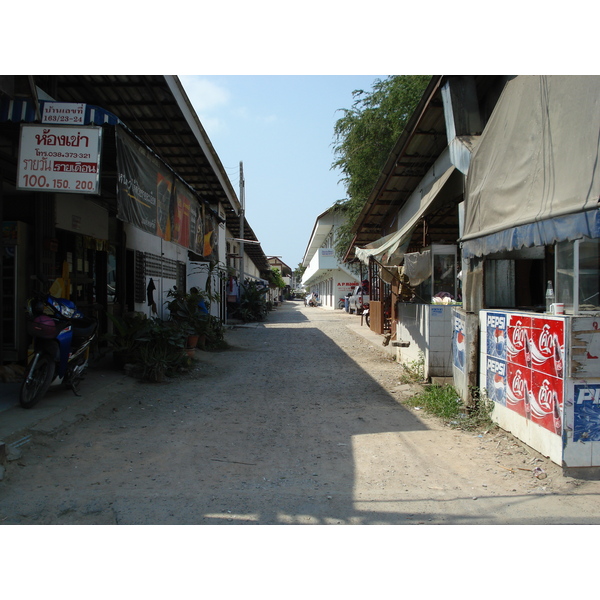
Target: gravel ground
301,421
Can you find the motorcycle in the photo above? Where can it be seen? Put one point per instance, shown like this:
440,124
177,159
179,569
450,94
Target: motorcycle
61,344
366,313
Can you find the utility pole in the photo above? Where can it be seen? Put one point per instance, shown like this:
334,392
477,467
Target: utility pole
242,218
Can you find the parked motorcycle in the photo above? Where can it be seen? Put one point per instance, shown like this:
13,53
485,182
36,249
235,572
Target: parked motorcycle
61,343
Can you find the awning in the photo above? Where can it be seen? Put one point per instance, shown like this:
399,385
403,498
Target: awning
534,179
541,233
23,110
390,249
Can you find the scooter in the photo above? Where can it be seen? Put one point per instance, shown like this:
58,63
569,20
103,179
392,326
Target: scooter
61,344
366,313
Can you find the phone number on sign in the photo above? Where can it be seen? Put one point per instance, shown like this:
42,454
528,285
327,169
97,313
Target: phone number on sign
41,181
58,154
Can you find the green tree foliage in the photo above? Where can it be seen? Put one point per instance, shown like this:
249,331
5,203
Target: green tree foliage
364,137
276,278
299,271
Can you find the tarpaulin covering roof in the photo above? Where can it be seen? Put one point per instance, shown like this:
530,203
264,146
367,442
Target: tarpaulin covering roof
390,249
534,179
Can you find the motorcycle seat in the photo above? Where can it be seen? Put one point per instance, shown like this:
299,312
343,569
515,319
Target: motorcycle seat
83,327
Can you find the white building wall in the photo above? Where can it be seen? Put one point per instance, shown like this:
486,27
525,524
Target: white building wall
331,285
152,244
197,272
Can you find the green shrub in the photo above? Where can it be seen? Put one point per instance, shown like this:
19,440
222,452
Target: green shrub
445,403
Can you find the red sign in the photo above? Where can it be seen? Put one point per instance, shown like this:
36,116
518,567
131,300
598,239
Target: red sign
532,385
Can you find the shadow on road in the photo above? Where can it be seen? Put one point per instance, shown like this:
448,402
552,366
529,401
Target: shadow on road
286,427
297,424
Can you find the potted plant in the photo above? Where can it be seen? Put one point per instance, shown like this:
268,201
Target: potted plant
189,310
126,338
161,350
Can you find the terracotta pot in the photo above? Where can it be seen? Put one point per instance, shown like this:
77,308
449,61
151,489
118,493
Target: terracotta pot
192,341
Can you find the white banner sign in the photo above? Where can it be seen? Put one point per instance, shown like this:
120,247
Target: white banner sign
62,158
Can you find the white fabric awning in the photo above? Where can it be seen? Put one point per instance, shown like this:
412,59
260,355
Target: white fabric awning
389,250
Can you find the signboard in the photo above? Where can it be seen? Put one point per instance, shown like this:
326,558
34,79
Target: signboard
524,365
61,158
63,113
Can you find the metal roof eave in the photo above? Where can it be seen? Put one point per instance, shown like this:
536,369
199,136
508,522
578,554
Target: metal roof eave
203,141
399,148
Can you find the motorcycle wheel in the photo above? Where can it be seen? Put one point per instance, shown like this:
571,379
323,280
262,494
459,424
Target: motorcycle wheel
368,319
41,378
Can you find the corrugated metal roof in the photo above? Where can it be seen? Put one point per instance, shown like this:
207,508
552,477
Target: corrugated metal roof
156,109
418,147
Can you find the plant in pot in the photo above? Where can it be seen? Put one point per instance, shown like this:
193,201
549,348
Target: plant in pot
189,310
160,354
253,305
128,331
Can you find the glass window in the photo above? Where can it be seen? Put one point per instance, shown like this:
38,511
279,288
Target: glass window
589,264
578,275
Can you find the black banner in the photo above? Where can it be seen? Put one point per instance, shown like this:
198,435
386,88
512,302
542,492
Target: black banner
154,200
144,188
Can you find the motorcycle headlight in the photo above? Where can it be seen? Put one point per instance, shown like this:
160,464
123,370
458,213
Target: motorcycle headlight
65,311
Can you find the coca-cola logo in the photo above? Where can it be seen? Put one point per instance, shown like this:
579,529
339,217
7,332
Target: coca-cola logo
518,335
545,396
518,385
545,345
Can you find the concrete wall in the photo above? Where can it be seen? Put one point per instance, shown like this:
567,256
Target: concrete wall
429,330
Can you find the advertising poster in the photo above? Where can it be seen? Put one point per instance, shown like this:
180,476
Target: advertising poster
210,251
143,183
525,365
458,341
586,411
196,228
182,215
585,347
164,195
59,158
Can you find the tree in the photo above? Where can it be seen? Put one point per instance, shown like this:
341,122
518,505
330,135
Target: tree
298,272
364,137
276,278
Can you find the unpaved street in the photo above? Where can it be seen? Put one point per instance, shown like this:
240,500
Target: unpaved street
300,422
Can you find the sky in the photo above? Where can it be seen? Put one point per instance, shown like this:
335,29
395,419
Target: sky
280,127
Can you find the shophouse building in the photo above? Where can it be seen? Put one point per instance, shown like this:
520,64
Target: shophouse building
111,185
488,203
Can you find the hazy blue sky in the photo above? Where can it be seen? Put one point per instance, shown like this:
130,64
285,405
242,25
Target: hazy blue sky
281,128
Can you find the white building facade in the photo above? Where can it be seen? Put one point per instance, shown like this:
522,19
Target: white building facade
324,275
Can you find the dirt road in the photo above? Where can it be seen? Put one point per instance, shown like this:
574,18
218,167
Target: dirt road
300,422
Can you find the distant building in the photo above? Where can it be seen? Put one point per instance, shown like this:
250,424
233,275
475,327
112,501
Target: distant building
324,274
286,275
